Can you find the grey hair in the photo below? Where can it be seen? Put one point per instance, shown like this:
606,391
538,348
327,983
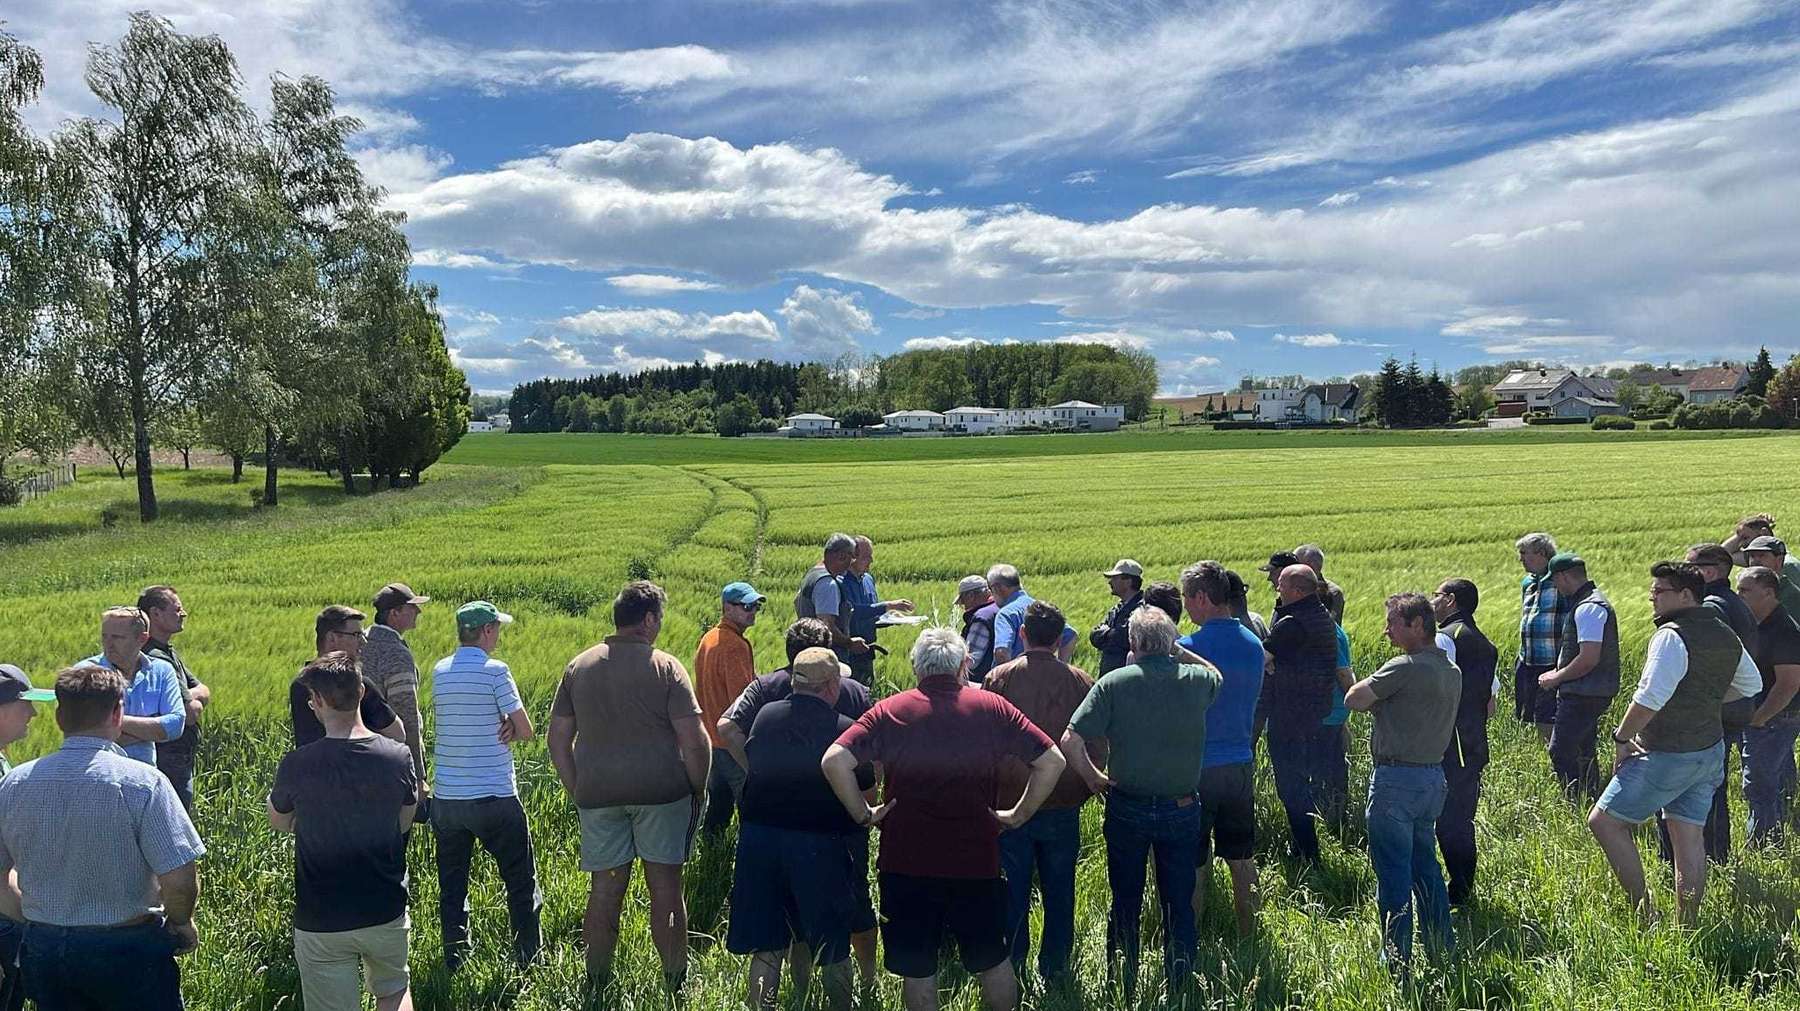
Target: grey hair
1537,544
862,539
938,651
1152,632
1208,579
1310,554
1762,576
1004,574
840,544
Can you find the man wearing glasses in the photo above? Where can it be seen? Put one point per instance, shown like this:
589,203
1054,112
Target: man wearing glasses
724,665
338,629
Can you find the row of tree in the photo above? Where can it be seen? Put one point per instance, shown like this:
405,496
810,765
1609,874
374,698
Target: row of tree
185,272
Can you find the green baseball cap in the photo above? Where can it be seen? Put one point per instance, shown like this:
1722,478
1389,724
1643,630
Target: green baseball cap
1565,560
14,686
478,613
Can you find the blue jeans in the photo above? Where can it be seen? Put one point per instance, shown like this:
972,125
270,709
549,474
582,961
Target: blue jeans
1050,842
1404,804
1135,827
1769,775
137,968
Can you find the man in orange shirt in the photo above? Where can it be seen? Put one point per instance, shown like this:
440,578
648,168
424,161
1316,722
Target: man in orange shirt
723,665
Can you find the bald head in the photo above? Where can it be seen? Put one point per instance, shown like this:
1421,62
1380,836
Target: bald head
1296,583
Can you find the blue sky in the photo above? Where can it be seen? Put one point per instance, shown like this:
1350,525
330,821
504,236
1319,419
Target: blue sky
1268,187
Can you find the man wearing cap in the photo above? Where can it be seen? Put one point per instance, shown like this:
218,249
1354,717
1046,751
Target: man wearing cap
1771,553
1112,636
1313,557
105,857
724,665
17,707
388,664
979,612
1670,747
858,587
1303,664
821,595
1003,581
627,743
1769,740
796,873
1542,612
162,609
1750,528
1585,678
338,629
475,790
153,708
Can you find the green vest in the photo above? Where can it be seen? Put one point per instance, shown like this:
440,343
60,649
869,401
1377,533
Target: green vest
1603,680
1690,721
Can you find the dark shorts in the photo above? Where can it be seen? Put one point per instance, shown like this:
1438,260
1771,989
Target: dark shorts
862,919
791,885
1227,813
916,911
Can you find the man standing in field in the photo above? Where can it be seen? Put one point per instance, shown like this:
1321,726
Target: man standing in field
1585,678
979,612
1541,615
1413,698
1313,557
630,750
338,629
858,585
940,747
1771,553
388,664
1111,637
1009,593
154,711
1466,758
105,858
821,596
1749,529
1047,691
1227,773
1670,747
17,708
348,799
724,665
475,792
1303,655
1769,740
162,609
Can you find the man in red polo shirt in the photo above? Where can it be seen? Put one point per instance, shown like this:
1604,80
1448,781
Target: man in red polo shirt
940,747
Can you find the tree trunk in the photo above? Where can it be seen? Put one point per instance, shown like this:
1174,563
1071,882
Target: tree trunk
343,462
271,447
237,467
186,464
140,431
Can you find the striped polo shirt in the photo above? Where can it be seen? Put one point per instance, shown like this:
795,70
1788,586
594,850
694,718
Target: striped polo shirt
471,693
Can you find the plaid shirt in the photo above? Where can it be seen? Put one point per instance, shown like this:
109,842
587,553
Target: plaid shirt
1540,621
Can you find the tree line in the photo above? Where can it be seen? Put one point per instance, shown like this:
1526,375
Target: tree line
738,397
184,272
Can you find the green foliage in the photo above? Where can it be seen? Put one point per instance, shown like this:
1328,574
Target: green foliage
1760,372
1613,423
1784,392
1408,398
1739,412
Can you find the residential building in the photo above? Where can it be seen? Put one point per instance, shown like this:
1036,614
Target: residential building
1525,390
799,423
1713,384
1330,402
1082,415
1280,404
481,426
1585,407
973,419
1026,417
1592,387
1672,380
915,421
502,422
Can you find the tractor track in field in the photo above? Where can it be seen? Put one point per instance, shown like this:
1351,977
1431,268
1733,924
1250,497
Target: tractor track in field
753,557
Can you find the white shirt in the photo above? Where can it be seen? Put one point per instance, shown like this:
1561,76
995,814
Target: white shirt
1667,664
1448,645
1590,622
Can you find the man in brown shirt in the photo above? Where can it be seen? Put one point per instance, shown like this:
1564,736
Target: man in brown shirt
628,744
1047,691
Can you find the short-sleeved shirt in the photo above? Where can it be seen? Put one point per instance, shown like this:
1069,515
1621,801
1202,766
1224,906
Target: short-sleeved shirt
349,852
940,746
471,695
1229,645
853,699
1010,619
1590,622
785,788
724,666
1339,711
1048,692
156,692
89,830
1153,715
1416,712
377,715
1778,645
626,697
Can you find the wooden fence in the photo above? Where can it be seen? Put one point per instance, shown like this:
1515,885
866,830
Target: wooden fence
46,482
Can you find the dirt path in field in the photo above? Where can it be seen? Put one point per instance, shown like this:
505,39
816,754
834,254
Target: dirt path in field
754,555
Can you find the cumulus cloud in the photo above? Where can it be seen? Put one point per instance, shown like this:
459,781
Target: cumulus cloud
1310,340
451,260
1118,339
825,322
667,325
404,168
657,284
942,343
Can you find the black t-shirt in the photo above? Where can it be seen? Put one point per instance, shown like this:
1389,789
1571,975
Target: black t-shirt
853,699
1778,645
189,741
349,852
376,714
785,787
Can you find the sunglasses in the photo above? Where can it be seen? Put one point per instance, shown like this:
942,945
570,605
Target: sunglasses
751,607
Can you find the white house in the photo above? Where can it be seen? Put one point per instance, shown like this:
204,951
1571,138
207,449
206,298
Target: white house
481,426
1591,387
1526,390
973,419
915,421
1027,417
1284,404
800,423
501,422
1330,402
1083,415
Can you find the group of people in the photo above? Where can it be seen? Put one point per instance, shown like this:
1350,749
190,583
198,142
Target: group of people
975,777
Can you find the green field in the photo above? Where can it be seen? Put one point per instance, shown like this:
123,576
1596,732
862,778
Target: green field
552,538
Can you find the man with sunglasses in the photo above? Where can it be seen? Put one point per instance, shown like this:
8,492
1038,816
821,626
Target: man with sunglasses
724,665
338,629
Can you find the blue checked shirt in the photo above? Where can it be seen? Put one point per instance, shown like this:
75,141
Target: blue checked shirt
155,691
89,831
1540,621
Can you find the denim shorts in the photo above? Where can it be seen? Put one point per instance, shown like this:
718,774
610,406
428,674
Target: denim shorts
1678,783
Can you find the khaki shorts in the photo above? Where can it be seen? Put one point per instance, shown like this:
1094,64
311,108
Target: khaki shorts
656,833
329,963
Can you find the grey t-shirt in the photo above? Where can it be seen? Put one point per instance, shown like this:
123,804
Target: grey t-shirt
1416,714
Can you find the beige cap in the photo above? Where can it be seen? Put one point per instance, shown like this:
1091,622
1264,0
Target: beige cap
1125,567
814,667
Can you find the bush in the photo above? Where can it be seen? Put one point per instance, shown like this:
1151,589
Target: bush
10,492
1739,412
1660,425
1613,423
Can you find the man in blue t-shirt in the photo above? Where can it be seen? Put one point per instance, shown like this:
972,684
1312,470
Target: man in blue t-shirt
1003,581
1227,780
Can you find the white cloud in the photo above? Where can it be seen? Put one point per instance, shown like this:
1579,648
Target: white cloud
1497,240
450,260
404,168
657,284
664,326
1341,199
1082,178
1487,324
630,71
1213,335
920,313
1310,340
1118,339
824,323
1549,342
942,343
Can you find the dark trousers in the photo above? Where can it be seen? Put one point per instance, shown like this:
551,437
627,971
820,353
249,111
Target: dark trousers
498,823
179,767
1135,828
1525,690
1331,773
1456,826
12,989
101,968
1769,776
1293,745
1572,744
862,668
724,785
1049,844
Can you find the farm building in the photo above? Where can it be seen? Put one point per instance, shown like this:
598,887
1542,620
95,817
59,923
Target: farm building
915,421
